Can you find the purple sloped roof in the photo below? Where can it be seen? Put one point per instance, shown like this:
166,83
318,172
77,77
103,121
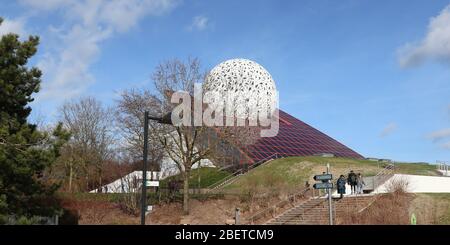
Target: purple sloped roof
296,138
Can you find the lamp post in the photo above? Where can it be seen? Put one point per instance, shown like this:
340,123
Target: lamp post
166,119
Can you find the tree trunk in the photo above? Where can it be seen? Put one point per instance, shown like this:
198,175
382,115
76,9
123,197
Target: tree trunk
70,177
199,178
100,178
186,193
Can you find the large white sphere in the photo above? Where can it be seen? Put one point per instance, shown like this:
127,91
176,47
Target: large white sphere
251,84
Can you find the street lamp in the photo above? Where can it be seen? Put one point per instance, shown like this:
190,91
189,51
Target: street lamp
166,119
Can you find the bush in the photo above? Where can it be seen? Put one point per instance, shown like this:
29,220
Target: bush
397,186
130,203
69,217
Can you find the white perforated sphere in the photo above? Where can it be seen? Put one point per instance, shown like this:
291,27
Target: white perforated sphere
251,84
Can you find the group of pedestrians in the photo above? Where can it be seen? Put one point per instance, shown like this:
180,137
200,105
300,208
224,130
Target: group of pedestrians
355,181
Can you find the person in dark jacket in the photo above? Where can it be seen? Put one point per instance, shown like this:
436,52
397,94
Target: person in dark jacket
341,186
352,181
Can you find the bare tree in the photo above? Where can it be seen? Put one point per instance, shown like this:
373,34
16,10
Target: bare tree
130,121
91,126
185,145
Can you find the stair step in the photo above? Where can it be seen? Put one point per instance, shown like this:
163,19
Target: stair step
315,211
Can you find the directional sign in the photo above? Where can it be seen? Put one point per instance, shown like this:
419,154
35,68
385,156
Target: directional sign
149,209
323,177
323,186
152,183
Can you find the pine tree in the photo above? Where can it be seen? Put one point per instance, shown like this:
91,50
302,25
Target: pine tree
25,152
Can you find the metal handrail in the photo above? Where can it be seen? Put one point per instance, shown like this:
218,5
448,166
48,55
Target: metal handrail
302,193
251,167
262,161
385,172
224,179
307,210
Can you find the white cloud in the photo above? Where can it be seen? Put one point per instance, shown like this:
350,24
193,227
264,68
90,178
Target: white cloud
439,134
66,66
46,4
389,129
199,23
123,14
13,26
434,46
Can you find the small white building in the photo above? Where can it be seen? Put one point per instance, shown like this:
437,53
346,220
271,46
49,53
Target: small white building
132,182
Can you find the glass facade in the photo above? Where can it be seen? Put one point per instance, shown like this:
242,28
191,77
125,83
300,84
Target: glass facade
296,138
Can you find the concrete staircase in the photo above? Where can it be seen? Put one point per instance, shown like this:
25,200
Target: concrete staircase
315,210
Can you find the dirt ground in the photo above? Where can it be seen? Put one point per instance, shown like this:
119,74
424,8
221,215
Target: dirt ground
211,211
390,209
214,211
99,212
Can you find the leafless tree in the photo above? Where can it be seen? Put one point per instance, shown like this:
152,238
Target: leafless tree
185,145
91,126
130,121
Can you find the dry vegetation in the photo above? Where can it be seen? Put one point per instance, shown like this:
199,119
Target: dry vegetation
431,208
397,207
387,209
98,211
271,184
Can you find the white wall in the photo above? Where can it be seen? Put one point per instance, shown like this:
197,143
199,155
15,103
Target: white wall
418,184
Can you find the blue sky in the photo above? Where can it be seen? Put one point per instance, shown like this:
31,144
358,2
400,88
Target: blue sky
374,75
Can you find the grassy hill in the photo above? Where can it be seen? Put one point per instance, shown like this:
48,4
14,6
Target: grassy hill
200,178
292,172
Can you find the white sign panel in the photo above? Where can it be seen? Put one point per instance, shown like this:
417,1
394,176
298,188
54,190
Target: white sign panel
152,183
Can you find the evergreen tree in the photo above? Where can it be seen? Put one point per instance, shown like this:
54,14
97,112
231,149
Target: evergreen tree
25,152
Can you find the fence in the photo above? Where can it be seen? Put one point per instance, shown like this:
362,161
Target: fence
443,166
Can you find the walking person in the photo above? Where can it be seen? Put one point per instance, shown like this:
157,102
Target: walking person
360,184
352,181
341,186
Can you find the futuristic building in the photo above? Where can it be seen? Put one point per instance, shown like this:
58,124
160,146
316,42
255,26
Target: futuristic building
253,88
256,88
296,138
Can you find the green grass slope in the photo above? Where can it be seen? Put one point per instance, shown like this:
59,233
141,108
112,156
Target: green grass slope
200,178
292,172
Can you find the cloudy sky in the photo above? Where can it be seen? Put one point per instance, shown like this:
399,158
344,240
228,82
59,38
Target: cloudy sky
375,75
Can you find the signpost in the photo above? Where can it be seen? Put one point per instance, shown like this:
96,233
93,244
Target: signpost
149,209
323,177
166,119
151,183
326,184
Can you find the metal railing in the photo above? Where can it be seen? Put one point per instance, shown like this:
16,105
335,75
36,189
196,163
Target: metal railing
290,198
443,167
224,181
262,162
383,176
304,211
